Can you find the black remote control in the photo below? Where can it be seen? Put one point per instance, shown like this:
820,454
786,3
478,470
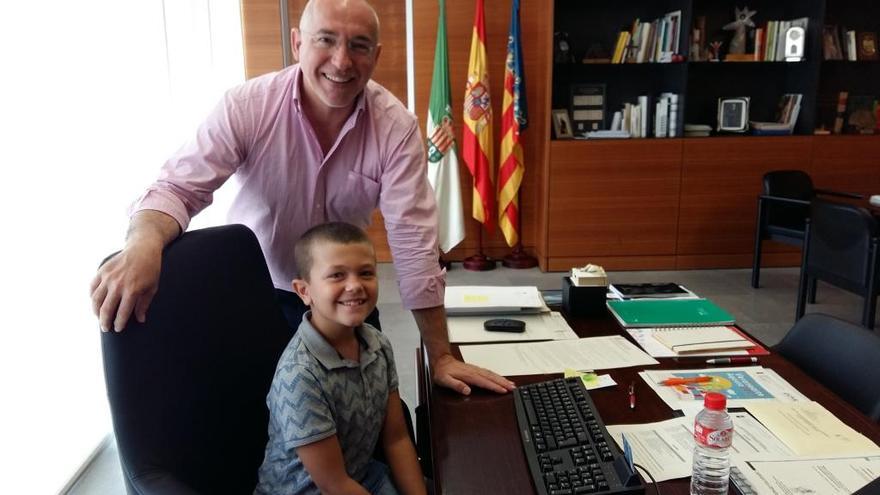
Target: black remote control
505,325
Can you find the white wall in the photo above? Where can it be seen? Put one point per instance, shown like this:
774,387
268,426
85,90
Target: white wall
94,95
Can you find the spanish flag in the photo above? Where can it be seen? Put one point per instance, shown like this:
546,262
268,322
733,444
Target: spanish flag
514,120
477,139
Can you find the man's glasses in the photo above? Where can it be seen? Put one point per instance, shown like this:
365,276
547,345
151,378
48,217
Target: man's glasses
330,42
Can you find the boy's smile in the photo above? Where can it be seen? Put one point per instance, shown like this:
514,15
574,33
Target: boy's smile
342,287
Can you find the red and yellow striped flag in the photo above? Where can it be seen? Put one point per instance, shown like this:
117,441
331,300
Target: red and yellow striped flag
477,139
514,120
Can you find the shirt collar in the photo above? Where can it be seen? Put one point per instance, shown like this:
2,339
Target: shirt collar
327,355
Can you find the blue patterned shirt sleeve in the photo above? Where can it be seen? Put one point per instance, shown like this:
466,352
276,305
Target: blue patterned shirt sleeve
299,412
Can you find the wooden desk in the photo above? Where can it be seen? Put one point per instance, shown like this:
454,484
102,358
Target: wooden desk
475,448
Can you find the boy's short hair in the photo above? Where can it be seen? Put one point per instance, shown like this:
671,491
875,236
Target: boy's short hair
338,232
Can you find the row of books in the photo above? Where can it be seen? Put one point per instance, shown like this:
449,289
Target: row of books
786,119
846,44
770,39
649,41
856,114
649,118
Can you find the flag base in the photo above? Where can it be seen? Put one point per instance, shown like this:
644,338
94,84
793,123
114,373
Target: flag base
478,263
519,259
446,265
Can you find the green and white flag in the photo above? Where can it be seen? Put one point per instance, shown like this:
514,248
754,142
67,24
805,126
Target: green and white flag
442,158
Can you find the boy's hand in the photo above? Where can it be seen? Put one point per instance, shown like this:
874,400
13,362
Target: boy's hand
451,373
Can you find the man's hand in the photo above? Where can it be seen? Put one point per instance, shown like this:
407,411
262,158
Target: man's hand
451,373
127,282
445,369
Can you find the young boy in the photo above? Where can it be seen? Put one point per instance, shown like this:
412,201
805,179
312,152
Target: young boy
334,395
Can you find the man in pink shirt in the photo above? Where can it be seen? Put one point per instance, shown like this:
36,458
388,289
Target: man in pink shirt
312,143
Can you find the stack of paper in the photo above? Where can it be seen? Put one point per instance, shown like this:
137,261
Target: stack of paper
696,339
491,300
646,338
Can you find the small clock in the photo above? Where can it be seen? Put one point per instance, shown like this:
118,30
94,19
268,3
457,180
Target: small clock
733,114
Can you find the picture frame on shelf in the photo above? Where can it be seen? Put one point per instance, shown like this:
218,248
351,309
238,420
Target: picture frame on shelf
562,124
587,107
733,114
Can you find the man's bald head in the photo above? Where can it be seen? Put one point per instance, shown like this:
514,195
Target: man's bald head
349,7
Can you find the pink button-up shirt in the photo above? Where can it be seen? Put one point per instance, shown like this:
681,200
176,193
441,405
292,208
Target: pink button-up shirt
260,136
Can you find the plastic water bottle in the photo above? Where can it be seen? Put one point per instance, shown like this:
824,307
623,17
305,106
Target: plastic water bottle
713,434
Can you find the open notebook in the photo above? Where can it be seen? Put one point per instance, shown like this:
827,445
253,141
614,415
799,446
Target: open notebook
696,339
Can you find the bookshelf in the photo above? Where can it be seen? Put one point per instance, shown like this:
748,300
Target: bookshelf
689,202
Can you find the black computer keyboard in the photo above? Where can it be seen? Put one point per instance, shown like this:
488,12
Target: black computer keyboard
567,446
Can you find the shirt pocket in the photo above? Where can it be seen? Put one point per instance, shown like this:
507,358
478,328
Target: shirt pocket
355,200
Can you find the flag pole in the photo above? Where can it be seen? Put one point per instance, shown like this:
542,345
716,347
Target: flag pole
479,262
518,258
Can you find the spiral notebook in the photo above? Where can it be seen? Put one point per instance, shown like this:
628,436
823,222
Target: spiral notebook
669,313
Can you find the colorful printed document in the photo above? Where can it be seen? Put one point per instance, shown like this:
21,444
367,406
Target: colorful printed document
741,385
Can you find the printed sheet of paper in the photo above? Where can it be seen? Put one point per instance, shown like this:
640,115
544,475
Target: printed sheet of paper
811,430
544,326
825,476
536,358
666,448
741,385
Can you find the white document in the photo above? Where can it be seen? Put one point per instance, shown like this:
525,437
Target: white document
543,326
645,338
537,358
825,476
811,430
666,448
484,299
741,385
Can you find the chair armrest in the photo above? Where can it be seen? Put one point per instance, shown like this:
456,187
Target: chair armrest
839,194
780,199
161,483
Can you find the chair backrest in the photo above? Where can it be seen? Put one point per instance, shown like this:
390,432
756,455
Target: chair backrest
187,389
793,184
840,244
840,355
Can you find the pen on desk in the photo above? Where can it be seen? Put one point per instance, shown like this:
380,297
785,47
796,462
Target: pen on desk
632,395
733,360
687,380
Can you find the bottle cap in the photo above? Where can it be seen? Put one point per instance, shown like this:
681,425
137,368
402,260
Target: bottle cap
715,401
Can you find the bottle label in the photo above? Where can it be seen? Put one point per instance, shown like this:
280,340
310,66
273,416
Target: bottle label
712,438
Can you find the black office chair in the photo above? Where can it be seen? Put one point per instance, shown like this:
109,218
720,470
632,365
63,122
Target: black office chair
841,249
783,208
187,389
840,355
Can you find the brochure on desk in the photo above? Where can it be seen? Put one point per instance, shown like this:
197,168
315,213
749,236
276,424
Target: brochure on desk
741,385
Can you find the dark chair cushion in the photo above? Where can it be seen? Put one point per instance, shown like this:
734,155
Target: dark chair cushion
840,355
187,389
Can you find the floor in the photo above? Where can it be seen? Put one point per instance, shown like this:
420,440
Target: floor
767,313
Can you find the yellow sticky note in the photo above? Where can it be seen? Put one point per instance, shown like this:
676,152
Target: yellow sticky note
476,298
587,377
